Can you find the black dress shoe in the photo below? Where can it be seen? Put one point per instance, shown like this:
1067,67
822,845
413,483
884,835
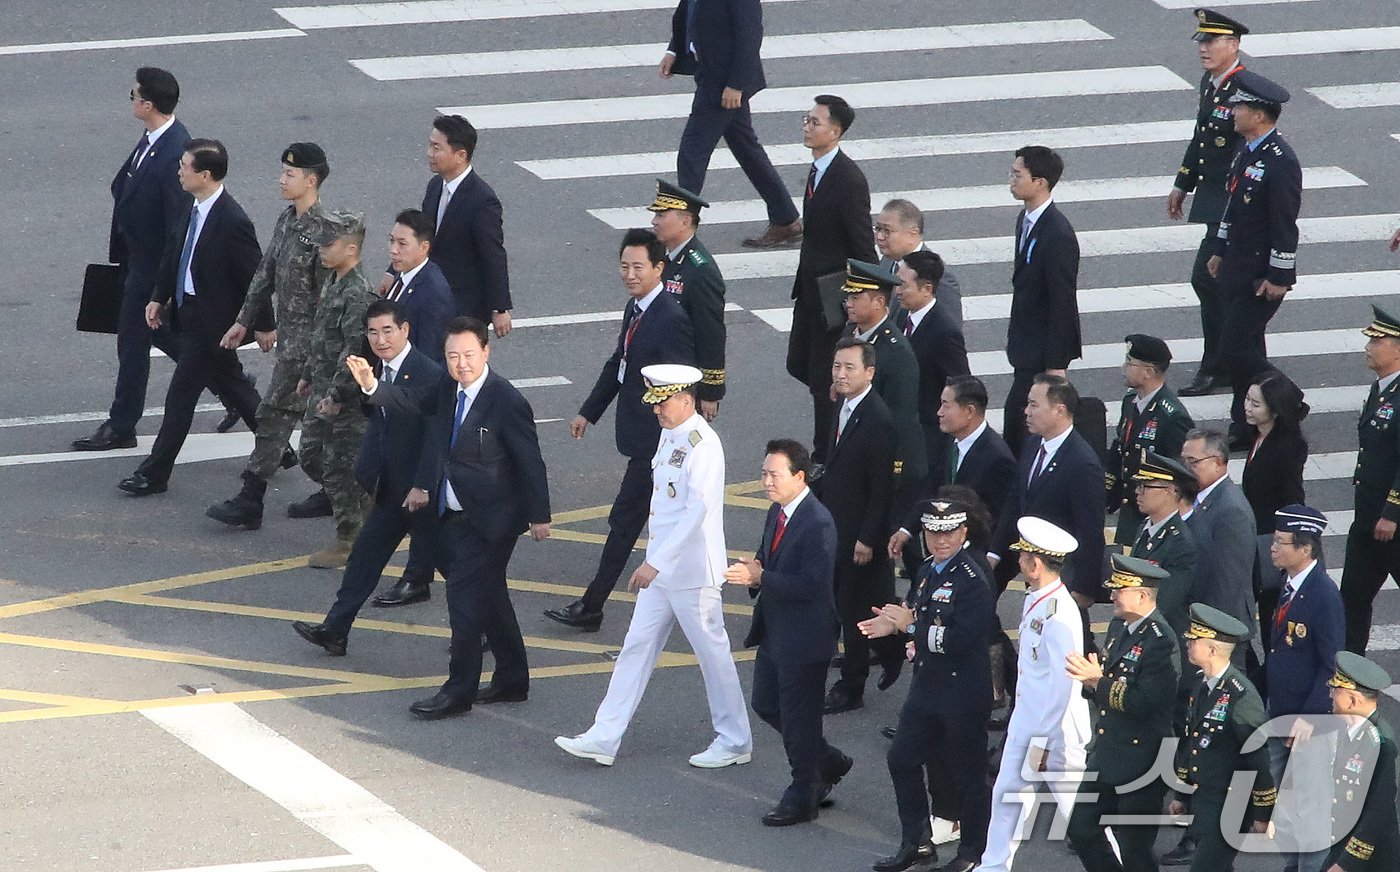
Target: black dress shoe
489,693
137,485
839,700
888,732
906,856
105,439
889,674
957,864
835,767
576,614
838,661
403,593
784,815
231,415
318,505
317,634
439,706
1180,855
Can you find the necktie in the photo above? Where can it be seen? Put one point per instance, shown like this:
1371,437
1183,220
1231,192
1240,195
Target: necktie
1039,463
812,182
690,27
1021,233
141,150
389,377
632,329
844,417
1284,600
442,203
1143,538
186,254
909,326
778,531
456,428
953,463
397,289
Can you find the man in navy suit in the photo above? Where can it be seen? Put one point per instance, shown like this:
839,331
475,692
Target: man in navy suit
655,329
388,468
469,237
718,41
937,342
149,209
795,627
418,283
481,459
1042,334
1059,478
899,232
206,281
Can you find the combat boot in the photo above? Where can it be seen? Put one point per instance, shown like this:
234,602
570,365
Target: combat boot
244,511
333,556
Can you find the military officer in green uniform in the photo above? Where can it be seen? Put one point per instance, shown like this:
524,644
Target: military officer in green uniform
334,422
1160,484
1224,712
1365,833
1152,419
280,307
692,274
1373,551
869,288
1203,171
1133,689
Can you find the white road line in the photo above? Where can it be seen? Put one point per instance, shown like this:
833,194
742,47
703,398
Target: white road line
1216,407
862,95
547,381
1359,96
435,11
341,862
80,417
317,795
586,318
1319,467
148,41
1357,39
972,197
888,148
1191,4
198,448
1092,243
798,45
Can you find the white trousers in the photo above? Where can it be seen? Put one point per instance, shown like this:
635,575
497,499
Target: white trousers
699,611
1013,795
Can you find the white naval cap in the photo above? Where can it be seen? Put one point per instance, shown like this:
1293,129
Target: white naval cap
1039,536
665,380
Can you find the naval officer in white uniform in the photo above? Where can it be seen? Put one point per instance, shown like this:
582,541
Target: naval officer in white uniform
1049,727
680,581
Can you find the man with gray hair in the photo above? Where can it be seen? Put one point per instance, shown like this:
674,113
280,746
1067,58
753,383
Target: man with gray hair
1222,524
899,232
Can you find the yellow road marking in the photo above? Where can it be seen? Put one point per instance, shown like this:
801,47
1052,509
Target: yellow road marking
46,698
748,502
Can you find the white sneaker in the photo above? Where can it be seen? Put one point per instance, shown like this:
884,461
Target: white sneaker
945,831
716,757
585,748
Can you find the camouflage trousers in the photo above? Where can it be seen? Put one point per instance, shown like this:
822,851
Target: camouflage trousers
278,414
328,450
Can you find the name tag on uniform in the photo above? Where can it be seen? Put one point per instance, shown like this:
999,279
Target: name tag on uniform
677,458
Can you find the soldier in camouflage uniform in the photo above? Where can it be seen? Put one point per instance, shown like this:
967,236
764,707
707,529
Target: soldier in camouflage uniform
334,422
291,272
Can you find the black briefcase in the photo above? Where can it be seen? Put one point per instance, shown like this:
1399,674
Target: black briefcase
830,288
101,305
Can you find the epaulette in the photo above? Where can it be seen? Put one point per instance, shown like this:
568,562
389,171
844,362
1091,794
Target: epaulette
1235,683
1278,151
695,437
966,567
1166,405
1156,629
1375,733
697,258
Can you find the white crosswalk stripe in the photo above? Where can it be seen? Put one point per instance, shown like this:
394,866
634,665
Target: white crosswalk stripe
867,95
439,11
1191,4
972,197
1363,96
797,45
1311,42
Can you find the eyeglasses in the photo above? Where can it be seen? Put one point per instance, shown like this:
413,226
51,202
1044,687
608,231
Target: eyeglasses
1192,461
883,230
1276,542
812,121
137,98
1142,486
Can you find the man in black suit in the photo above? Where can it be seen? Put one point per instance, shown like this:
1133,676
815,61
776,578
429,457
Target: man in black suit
388,467
1059,478
795,627
207,280
936,339
418,283
836,218
1042,334
482,456
469,237
718,41
899,232
148,209
857,487
655,329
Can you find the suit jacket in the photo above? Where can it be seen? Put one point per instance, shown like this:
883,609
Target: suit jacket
1043,332
1273,477
836,226
495,466
857,485
794,610
1301,646
1223,526
727,35
941,352
392,447
989,469
948,293
664,335
1069,494
1135,698
149,206
222,265
429,305
470,246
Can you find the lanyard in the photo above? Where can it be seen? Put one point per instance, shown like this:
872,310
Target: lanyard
1044,596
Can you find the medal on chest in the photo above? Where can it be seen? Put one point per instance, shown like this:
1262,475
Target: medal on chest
1355,765
1384,412
675,286
943,595
1255,172
1220,710
677,458
1149,431
1134,654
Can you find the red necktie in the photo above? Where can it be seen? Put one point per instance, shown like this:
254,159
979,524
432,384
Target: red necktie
631,329
909,327
812,182
778,532
1039,463
396,290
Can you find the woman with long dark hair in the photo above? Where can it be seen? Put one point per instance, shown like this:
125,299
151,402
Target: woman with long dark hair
1273,471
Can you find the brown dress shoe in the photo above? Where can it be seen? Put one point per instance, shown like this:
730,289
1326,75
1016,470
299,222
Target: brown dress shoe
775,235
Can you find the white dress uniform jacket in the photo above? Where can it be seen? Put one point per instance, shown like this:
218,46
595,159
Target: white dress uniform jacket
685,533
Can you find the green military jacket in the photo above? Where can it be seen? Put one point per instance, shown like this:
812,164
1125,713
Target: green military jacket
1377,477
290,272
1160,427
1208,155
1218,723
1135,698
695,278
897,383
1172,547
337,332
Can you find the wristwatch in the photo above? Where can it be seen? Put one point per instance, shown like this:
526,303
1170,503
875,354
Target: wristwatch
909,630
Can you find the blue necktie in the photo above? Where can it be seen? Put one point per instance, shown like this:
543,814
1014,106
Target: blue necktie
186,254
690,26
456,428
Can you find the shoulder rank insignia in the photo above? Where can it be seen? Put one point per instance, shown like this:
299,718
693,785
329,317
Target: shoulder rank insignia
303,239
1050,608
695,437
1156,629
697,258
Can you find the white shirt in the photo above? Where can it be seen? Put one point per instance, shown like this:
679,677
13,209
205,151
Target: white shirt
397,363
1032,217
1294,581
865,337
675,253
1385,382
821,164
1206,491
791,507
449,190
471,392
201,210
407,276
1050,446
151,137
1143,399
965,444
1153,528
642,306
848,408
916,317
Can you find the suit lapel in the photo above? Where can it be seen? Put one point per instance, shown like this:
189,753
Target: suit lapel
851,422
211,223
